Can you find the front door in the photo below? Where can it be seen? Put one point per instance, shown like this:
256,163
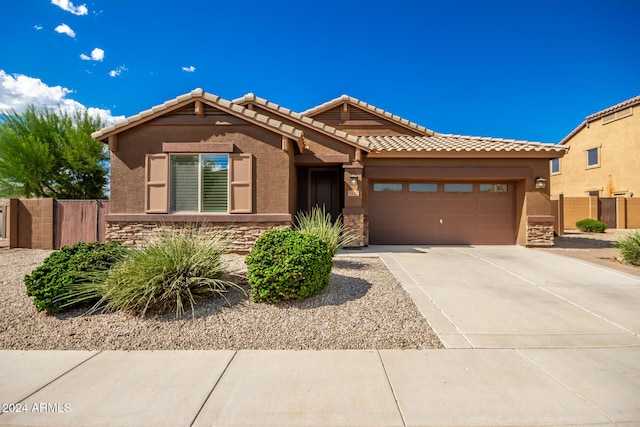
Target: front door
325,190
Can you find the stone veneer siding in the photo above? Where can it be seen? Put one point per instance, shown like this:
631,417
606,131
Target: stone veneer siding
540,231
242,236
358,223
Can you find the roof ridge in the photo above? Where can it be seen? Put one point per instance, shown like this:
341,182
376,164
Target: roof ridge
200,93
621,105
372,108
354,139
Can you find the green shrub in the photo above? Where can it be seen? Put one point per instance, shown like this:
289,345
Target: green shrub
285,264
172,271
318,223
629,248
591,225
52,283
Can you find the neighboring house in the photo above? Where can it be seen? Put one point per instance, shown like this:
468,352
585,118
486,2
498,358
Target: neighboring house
604,155
247,165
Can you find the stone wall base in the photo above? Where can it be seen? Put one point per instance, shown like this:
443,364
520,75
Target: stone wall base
359,224
241,236
540,231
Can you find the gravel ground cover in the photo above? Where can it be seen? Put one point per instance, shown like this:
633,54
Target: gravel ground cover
364,307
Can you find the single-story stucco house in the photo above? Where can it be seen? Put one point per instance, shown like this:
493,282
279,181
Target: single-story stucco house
247,165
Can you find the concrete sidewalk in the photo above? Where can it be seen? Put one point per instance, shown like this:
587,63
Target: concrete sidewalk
489,387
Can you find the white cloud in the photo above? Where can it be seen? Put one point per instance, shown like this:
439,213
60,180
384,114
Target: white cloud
69,7
189,69
17,91
117,71
65,29
97,54
37,27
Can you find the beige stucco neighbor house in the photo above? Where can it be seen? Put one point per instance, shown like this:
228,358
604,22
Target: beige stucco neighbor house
604,155
247,165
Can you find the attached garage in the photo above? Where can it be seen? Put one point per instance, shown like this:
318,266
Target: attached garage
442,213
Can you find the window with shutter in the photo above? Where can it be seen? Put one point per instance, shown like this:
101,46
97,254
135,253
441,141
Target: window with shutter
199,183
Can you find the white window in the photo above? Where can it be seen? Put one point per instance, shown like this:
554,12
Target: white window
555,165
593,157
199,183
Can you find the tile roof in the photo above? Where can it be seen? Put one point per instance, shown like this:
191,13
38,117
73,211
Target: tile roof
375,110
456,143
214,100
620,106
628,103
320,126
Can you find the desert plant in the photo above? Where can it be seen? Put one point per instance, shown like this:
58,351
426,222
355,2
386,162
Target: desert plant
591,225
629,248
286,264
318,223
172,271
52,284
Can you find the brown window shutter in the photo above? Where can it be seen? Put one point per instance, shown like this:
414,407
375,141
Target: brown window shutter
156,192
240,183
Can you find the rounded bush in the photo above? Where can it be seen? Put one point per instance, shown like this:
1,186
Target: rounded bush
51,284
591,225
286,264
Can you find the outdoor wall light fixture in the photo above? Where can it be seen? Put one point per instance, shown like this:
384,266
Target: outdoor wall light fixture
354,179
541,183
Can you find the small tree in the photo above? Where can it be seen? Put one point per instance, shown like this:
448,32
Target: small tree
50,153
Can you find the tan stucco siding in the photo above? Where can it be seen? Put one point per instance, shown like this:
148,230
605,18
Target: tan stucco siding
271,188
619,143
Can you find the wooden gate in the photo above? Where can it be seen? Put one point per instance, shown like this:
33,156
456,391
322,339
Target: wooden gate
607,211
79,221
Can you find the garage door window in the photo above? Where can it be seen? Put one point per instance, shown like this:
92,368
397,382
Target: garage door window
387,186
494,188
423,188
458,188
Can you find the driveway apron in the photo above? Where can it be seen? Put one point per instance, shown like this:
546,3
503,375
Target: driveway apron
513,297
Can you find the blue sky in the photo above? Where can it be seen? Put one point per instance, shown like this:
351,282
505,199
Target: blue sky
512,69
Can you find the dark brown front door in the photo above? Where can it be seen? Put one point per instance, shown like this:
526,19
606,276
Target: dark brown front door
325,190
607,211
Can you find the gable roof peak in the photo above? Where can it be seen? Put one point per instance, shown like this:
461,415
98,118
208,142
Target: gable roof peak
370,108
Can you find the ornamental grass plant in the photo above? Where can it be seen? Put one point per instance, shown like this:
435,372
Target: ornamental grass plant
629,247
318,223
172,272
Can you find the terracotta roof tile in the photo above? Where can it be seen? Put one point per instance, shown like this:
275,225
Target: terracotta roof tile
373,109
212,99
456,143
352,139
620,106
628,103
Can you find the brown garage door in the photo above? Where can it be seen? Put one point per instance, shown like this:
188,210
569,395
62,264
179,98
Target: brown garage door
442,213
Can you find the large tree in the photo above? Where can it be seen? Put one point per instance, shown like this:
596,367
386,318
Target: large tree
50,153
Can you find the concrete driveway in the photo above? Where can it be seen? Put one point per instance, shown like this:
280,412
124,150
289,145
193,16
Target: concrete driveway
513,297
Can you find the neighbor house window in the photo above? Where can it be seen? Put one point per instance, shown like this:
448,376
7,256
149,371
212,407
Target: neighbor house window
199,182
555,165
387,186
593,157
593,193
458,188
494,188
423,188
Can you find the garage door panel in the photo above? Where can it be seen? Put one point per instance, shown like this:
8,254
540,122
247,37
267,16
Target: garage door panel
442,217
